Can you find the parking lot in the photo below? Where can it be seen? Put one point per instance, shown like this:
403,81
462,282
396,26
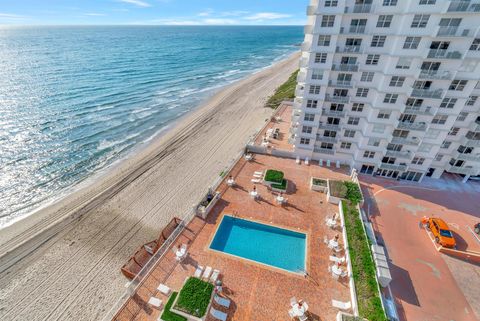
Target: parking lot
427,285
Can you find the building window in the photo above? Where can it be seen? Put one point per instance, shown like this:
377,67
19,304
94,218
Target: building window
320,58
390,98
397,81
471,100
312,103
358,107
438,157
475,44
448,103
367,76
420,20
458,85
372,59
368,154
411,42
309,117
328,21
349,133
362,92
304,141
307,129
462,116
439,119
330,133
389,3
403,63
453,131
337,107
317,74
383,114
384,21
378,41
346,145
418,160
353,120
314,89
374,142
446,145
427,2
331,3
324,40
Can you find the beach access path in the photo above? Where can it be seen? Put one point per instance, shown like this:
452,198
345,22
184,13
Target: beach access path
74,274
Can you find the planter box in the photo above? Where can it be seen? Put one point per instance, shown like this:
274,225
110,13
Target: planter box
189,316
279,190
342,316
319,188
202,210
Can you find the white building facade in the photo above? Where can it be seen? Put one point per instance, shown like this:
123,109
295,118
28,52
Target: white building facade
390,87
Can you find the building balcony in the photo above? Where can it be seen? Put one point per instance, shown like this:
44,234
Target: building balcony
325,139
427,111
352,29
444,54
308,29
332,127
463,170
412,126
469,142
348,49
467,157
337,99
399,154
452,31
340,83
464,6
435,74
345,67
359,8
312,10
427,93
406,141
299,92
393,167
327,151
333,113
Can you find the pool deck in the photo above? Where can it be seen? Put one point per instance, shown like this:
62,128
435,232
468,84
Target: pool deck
257,292
284,111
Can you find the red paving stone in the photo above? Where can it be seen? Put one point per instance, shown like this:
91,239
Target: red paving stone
258,292
423,286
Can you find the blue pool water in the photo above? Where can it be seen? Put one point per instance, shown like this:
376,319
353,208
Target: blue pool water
265,244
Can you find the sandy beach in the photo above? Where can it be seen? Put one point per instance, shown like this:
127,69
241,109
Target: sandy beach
73,250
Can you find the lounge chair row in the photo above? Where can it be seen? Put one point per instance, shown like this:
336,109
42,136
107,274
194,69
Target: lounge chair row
206,274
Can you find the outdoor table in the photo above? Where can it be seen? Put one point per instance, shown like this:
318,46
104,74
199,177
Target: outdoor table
254,194
337,270
181,253
280,199
300,310
230,182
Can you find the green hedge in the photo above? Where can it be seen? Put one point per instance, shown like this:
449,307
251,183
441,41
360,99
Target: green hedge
282,186
354,194
338,189
284,92
274,176
363,267
319,182
194,297
167,315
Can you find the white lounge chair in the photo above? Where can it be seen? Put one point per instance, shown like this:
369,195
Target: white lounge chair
341,305
337,259
206,273
219,315
297,160
320,162
198,271
256,180
291,314
164,289
155,302
328,163
258,173
222,301
307,161
214,276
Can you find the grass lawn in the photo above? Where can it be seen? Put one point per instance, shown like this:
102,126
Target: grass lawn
274,176
285,92
194,297
167,315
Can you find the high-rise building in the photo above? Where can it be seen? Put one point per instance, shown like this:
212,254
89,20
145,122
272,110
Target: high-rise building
390,87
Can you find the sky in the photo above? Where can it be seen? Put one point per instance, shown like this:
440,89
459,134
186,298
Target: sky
153,12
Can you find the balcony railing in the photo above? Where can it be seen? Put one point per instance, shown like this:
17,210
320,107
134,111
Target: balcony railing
337,99
353,29
427,93
444,54
359,8
435,74
306,46
406,141
467,157
348,49
311,10
340,83
317,149
419,111
334,113
463,170
326,139
469,142
464,6
332,127
398,154
393,167
412,126
345,67
452,31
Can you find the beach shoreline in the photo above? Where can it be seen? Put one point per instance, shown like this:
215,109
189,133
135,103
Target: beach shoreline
139,194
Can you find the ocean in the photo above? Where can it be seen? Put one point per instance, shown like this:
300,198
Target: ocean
74,100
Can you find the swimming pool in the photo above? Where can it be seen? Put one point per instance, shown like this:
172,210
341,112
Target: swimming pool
262,243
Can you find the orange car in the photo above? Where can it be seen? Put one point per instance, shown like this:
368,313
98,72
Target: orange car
441,231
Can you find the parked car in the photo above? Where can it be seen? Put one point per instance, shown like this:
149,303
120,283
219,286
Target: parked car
476,228
441,232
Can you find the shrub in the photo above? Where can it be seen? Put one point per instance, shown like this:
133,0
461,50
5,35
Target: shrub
282,186
354,194
337,189
284,92
167,315
274,176
194,297
363,268
319,182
